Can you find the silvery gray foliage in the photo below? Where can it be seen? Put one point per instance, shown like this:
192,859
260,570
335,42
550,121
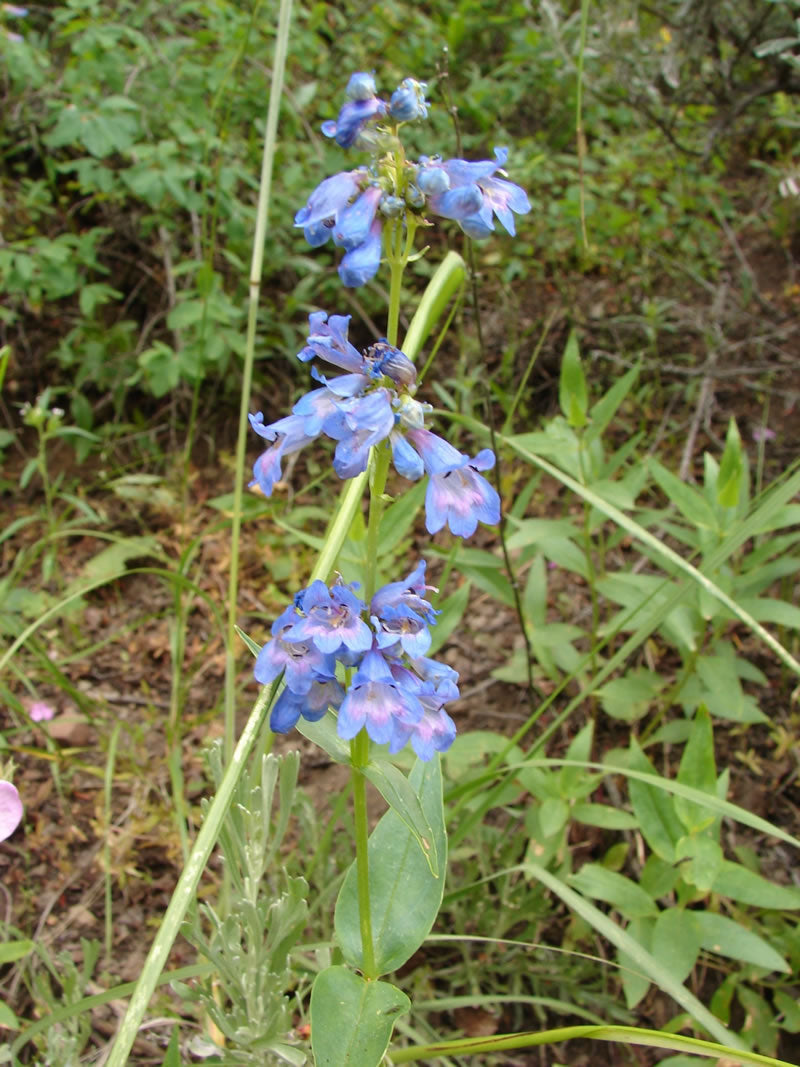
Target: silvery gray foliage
265,915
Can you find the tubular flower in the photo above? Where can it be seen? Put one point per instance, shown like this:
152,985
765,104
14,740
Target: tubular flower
394,691
361,263
457,494
332,619
354,223
353,117
330,198
374,701
360,409
312,705
471,194
409,594
302,662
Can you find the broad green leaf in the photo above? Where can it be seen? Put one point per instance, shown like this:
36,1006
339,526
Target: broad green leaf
402,798
580,749
573,395
620,892
405,896
655,811
722,690
676,942
7,1017
629,698
768,609
728,938
759,1020
779,495
635,984
471,748
534,598
643,594
554,539
790,1009
698,769
691,503
644,773
490,579
737,882
658,877
553,815
15,950
352,1019
700,859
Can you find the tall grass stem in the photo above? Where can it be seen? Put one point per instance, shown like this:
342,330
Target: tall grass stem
262,217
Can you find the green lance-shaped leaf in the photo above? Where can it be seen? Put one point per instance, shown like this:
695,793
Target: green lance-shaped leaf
728,938
12,951
655,811
405,895
352,1019
447,279
729,479
573,395
698,768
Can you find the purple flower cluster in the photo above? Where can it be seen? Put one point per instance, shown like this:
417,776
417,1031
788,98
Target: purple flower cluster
370,403
350,206
393,690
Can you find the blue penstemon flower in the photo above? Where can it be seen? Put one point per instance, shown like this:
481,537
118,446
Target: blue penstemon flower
360,409
391,689
350,206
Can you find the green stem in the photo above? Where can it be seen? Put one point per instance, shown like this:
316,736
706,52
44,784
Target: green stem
359,752
397,266
381,455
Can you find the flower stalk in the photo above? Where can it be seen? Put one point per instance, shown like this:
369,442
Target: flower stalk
359,754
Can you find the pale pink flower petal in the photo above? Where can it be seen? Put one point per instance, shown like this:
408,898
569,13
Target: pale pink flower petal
10,809
41,712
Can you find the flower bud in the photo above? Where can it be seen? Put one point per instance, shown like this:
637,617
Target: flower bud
415,196
433,180
392,362
392,206
360,87
408,101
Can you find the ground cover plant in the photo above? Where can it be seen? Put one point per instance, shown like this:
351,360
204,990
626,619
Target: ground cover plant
536,645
